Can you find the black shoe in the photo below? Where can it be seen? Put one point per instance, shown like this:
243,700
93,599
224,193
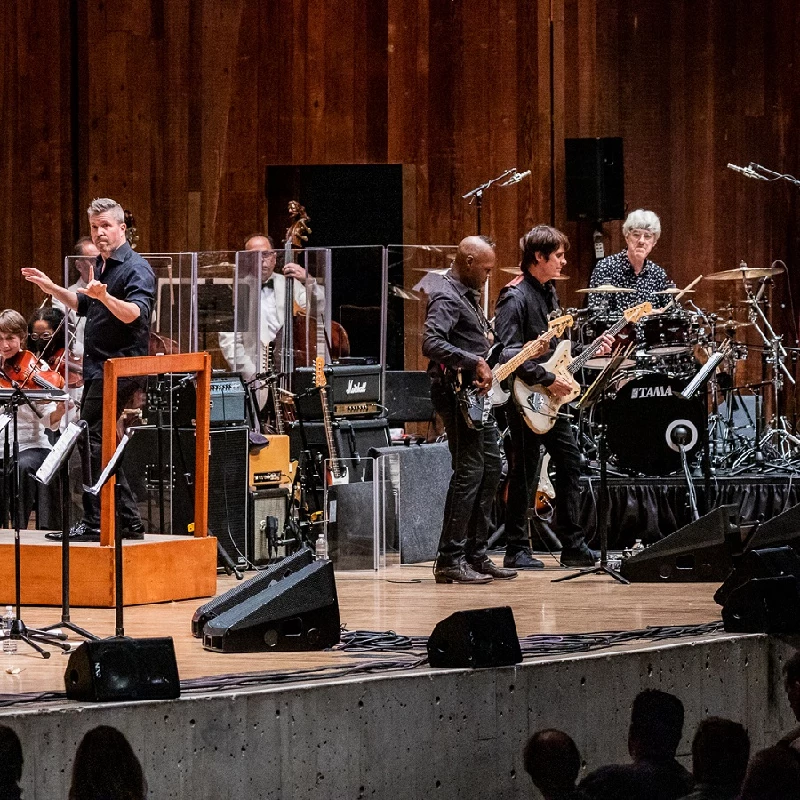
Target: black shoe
77,533
460,572
580,556
488,567
522,559
133,531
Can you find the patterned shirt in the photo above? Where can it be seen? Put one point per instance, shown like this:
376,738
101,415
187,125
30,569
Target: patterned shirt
618,271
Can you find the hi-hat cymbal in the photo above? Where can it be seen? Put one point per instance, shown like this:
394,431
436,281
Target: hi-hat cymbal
675,290
732,325
606,288
744,273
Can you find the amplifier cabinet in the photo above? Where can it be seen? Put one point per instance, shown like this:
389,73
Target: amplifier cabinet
268,513
354,387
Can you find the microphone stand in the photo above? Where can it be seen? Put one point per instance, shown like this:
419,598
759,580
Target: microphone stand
476,195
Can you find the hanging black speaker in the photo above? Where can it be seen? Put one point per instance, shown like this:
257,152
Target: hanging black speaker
300,612
700,551
768,562
764,605
123,669
594,179
485,637
258,583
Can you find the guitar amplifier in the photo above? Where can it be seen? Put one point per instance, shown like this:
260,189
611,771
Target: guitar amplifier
268,514
271,465
354,390
228,401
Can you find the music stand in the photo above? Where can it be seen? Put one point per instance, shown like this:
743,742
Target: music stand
596,395
57,462
14,398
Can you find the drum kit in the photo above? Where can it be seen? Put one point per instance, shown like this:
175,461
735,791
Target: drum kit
653,424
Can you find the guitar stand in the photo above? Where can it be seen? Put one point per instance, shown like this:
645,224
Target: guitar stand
33,637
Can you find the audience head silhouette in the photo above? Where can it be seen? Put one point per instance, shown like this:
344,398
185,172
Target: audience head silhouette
106,767
791,675
10,763
656,726
773,774
720,751
552,760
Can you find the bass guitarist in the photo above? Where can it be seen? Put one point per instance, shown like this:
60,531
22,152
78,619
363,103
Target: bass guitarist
457,337
522,313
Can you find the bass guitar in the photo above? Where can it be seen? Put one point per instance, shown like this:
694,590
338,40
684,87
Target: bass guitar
538,406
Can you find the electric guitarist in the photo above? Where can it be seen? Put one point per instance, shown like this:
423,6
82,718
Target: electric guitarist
522,313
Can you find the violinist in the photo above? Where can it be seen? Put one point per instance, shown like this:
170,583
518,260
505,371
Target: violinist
20,366
46,336
117,302
244,354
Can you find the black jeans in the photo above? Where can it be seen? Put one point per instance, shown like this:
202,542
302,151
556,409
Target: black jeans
524,478
475,457
92,412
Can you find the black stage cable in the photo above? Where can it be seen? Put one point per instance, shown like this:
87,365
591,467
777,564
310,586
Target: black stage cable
407,653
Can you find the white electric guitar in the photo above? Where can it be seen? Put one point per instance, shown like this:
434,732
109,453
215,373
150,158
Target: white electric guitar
538,406
555,328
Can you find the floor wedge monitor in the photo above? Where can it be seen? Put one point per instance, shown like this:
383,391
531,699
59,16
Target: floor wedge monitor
299,612
484,637
700,551
261,580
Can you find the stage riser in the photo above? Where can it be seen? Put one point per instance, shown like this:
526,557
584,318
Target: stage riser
405,735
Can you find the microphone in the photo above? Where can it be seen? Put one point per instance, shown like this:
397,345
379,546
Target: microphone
516,178
747,172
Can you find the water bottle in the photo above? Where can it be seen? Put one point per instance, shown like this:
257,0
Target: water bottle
321,547
637,548
9,644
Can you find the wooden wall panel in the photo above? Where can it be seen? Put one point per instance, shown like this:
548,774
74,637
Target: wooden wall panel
178,108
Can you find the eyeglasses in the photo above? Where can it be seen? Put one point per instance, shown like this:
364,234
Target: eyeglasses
646,235
45,337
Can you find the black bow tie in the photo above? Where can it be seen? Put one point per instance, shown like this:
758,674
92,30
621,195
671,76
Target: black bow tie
270,284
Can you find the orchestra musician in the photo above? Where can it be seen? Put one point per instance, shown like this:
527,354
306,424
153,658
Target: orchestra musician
457,337
18,367
522,313
632,269
117,302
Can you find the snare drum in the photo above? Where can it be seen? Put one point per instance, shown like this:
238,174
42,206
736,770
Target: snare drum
643,419
667,334
594,327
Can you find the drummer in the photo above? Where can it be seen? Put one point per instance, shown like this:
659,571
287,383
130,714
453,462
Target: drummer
631,269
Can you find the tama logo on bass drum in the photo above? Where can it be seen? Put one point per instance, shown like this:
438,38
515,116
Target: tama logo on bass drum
651,391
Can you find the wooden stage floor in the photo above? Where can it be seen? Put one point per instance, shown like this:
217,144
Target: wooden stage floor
402,599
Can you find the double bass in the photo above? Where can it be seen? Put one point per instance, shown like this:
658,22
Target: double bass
297,339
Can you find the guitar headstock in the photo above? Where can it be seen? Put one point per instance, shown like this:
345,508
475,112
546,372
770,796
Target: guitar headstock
637,312
319,372
558,325
131,234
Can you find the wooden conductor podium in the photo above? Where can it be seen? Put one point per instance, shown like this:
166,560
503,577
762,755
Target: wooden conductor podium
158,568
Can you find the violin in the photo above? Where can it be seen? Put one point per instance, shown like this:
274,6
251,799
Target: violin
67,364
25,371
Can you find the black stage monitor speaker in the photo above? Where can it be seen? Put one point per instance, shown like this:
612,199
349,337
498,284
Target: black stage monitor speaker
764,605
247,589
298,613
423,476
700,551
484,637
783,529
769,562
594,179
123,669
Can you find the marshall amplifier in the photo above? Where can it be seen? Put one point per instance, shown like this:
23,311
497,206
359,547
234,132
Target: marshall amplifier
353,390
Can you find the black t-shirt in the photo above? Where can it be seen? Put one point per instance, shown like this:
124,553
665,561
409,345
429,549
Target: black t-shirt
127,277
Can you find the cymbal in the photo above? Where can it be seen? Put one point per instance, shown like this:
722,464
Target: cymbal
432,269
732,325
606,288
744,273
404,294
675,290
513,271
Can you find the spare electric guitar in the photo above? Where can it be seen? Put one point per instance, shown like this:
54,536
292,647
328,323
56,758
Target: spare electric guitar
538,406
337,472
501,391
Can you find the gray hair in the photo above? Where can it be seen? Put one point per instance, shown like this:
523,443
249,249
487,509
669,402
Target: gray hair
102,205
642,220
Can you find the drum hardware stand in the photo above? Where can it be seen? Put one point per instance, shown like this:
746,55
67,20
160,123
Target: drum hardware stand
33,637
596,395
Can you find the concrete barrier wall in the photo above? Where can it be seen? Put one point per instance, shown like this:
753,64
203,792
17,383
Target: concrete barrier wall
444,734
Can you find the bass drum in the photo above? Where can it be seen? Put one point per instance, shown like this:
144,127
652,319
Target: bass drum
644,419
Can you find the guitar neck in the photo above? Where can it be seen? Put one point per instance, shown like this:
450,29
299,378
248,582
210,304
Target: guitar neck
579,361
280,425
502,371
336,467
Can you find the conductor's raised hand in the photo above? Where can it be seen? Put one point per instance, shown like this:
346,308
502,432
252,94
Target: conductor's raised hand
39,278
93,288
